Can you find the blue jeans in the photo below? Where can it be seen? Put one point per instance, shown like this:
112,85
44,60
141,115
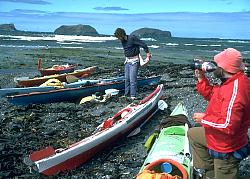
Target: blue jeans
131,70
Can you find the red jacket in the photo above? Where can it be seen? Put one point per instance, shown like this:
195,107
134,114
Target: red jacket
227,116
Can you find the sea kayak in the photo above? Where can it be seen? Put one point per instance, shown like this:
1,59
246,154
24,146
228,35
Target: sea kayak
75,94
50,161
28,82
45,88
170,154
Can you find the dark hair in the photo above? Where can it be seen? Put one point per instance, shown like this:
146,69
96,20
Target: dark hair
119,32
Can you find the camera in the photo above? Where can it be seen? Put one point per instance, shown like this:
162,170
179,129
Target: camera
204,66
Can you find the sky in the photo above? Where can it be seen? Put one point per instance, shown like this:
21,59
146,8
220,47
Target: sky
183,18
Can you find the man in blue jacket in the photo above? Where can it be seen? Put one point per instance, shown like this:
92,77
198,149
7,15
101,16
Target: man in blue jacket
131,45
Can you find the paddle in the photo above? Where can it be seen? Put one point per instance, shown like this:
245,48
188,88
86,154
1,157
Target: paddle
39,64
187,151
161,106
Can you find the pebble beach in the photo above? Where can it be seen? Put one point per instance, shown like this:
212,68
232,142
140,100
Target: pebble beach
29,128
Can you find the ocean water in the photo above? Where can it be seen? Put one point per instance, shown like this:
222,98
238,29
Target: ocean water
172,49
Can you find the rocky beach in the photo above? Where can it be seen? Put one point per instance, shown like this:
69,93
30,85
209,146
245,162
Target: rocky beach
25,129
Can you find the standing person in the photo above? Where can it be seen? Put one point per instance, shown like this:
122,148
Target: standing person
222,141
131,45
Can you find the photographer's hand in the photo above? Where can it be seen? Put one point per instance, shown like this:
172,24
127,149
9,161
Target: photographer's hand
198,116
199,74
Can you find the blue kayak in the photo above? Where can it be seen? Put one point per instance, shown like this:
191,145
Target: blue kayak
81,82
74,94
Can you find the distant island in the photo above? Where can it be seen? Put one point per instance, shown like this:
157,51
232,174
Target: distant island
76,30
86,30
7,27
151,33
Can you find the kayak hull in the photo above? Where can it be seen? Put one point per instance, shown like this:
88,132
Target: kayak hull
25,90
46,72
171,145
85,149
83,157
73,94
62,77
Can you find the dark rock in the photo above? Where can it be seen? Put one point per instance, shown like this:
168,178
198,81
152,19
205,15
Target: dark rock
76,30
151,33
7,27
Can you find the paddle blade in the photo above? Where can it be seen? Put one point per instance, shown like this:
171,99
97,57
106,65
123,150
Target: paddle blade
135,132
162,105
71,78
86,99
150,141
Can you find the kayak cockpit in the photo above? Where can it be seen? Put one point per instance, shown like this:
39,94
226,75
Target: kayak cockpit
164,167
118,117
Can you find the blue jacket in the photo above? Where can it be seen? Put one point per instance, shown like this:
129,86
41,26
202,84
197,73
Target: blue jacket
132,46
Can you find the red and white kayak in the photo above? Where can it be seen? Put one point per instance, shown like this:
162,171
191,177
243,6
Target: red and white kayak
50,161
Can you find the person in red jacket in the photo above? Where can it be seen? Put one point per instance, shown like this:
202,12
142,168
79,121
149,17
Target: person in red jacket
222,141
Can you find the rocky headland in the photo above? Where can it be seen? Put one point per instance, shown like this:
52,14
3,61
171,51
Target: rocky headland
87,30
7,27
76,30
151,33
